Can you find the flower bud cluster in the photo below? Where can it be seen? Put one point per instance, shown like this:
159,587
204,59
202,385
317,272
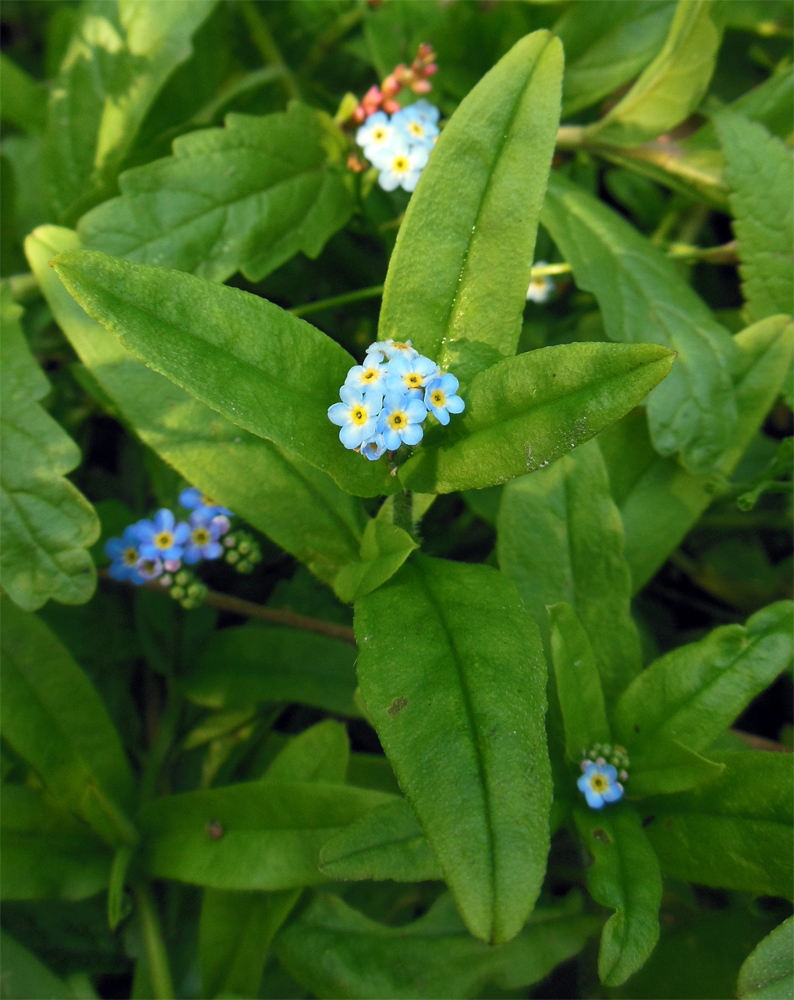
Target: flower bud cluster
242,551
414,77
185,588
386,400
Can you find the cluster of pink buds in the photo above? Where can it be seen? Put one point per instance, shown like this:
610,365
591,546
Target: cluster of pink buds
413,77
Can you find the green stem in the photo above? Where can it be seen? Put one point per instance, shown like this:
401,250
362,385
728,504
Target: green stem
161,746
269,50
403,511
156,954
374,292
331,37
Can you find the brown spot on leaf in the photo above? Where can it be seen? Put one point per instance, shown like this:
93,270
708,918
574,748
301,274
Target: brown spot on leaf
600,834
397,706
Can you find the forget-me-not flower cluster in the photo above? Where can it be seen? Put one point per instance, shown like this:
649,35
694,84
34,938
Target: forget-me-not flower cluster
601,768
386,400
399,145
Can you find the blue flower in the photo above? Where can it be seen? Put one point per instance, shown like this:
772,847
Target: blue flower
203,542
599,783
373,448
193,499
440,398
377,133
162,538
401,420
391,349
408,374
425,110
399,164
357,415
417,129
369,376
125,554
149,568
541,288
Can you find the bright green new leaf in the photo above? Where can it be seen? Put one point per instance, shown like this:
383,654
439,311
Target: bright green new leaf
660,501
760,171
264,369
527,411
624,876
387,843
246,197
335,951
578,683
25,976
460,270
47,524
695,692
768,972
250,664
235,931
24,100
320,753
458,702
300,508
734,832
644,299
665,766
672,86
560,538
53,717
384,548
252,835
47,854
119,57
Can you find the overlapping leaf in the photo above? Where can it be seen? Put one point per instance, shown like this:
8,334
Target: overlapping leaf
768,972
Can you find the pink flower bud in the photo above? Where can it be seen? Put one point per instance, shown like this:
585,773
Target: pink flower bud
172,565
431,69
422,87
359,115
390,106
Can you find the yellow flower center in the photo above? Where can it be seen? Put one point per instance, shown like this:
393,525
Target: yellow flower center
397,420
437,398
416,129
201,536
370,374
164,540
400,164
148,565
379,134
414,379
207,501
598,783
130,556
400,345
359,415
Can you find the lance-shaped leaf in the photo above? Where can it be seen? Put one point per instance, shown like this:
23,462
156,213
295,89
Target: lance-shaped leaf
458,705
665,766
319,753
253,835
460,269
264,369
694,692
53,717
47,853
578,683
768,972
24,99
560,538
432,957
734,832
659,500
643,298
671,86
760,171
24,975
387,843
525,412
384,548
246,197
119,57
47,524
300,508
625,876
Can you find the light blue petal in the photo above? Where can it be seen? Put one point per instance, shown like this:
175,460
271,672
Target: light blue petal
440,414
613,793
350,436
388,180
455,404
413,434
391,439
350,395
416,411
594,800
410,179
610,773
449,383
339,414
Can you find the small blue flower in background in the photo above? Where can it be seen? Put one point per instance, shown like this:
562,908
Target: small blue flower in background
540,289
401,420
375,134
357,415
373,448
193,499
425,111
599,783
410,374
391,349
415,127
162,538
203,541
149,568
400,164
440,398
364,378
125,555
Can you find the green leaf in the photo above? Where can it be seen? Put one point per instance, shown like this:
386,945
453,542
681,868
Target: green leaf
246,197
119,57
253,835
644,299
250,664
525,412
578,683
734,832
47,854
672,86
659,500
459,711
235,931
606,46
47,524
384,548
387,843
300,508
24,100
472,221
760,171
25,976
320,753
624,876
560,538
53,717
694,692
118,902
264,369
335,951
666,766
768,972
